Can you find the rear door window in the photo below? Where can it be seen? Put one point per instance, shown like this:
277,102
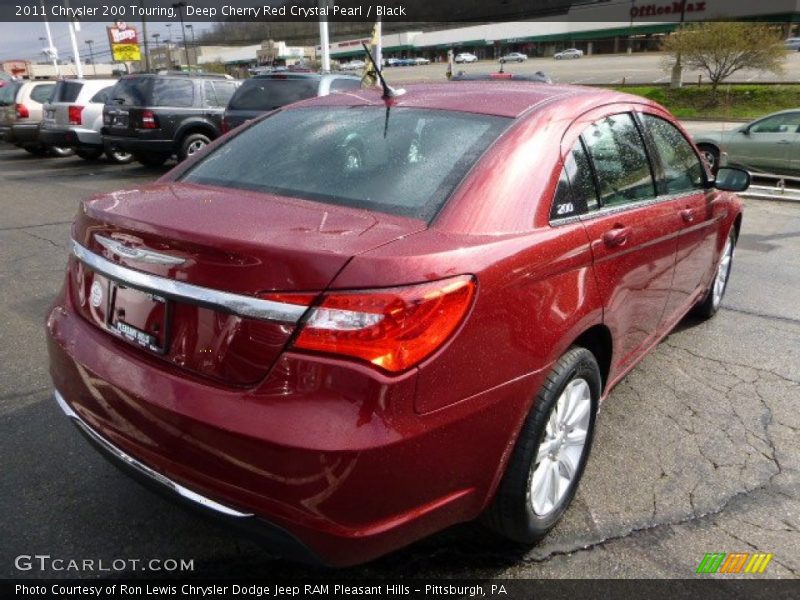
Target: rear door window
682,170
576,193
620,161
269,94
67,91
178,93
42,93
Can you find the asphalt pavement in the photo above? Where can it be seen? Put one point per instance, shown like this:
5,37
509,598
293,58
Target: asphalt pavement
696,451
635,69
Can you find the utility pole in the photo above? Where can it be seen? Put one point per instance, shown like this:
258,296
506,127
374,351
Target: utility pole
630,31
180,6
91,56
324,39
170,66
144,37
676,81
158,50
190,27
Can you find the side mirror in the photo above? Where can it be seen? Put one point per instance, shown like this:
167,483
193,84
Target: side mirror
731,179
745,130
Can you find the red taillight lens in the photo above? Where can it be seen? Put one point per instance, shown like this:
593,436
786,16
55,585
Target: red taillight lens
393,329
226,127
149,120
22,111
74,114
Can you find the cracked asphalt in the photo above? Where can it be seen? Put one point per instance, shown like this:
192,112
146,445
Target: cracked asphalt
696,451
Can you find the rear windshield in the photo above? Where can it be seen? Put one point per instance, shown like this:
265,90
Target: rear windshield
269,94
153,91
42,93
405,162
67,91
8,93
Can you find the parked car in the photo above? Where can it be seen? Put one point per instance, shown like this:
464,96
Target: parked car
406,62
8,96
770,144
570,53
329,329
792,43
353,65
74,118
21,120
420,61
268,92
514,57
465,57
390,62
156,116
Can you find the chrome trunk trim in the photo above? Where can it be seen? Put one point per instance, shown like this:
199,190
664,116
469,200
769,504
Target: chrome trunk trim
245,306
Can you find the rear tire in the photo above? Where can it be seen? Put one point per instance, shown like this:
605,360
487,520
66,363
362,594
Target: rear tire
118,157
193,143
711,154
89,153
151,160
551,452
709,305
60,151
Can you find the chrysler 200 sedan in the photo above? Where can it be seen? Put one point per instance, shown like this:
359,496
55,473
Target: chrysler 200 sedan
356,321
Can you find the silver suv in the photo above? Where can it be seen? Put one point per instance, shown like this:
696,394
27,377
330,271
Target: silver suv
21,116
74,118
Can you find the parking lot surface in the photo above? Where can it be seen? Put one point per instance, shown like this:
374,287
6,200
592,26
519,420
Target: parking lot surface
645,68
696,451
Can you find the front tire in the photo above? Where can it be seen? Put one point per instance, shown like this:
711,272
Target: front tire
551,452
711,154
709,305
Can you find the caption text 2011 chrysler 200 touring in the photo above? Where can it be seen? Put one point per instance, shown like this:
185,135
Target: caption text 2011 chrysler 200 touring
356,321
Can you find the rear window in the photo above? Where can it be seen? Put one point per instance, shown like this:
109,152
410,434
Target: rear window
42,93
269,94
8,93
67,91
154,91
406,162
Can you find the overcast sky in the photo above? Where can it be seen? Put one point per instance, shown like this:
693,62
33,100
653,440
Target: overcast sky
21,40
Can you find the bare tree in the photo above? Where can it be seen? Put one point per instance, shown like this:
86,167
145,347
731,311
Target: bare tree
724,47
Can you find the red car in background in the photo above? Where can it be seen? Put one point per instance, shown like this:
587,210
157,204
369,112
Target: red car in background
357,321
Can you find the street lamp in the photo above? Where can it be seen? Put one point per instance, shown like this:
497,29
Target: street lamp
190,27
169,46
91,56
180,6
158,50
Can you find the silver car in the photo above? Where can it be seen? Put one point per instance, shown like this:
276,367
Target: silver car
569,53
770,144
74,118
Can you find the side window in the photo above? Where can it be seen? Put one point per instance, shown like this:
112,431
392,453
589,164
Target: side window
683,171
102,96
210,94
576,193
42,93
620,160
340,85
224,91
783,123
178,93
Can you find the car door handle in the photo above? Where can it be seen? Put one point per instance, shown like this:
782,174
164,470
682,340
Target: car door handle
616,237
687,215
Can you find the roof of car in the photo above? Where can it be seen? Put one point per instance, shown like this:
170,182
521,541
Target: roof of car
303,75
499,98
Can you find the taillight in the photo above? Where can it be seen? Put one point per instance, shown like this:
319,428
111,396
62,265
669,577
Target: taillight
226,126
74,114
22,111
149,120
393,329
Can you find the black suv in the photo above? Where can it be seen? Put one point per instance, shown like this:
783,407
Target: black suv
156,116
268,92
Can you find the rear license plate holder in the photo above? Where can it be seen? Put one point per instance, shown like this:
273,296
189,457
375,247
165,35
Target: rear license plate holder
139,317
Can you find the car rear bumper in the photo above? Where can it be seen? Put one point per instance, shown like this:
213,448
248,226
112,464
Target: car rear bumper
24,134
70,136
330,452
137,145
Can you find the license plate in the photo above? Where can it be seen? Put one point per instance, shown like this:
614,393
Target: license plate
140,317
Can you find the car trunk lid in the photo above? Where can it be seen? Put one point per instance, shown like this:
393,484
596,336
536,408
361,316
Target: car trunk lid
239,246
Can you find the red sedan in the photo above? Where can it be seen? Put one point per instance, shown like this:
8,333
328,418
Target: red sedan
357,321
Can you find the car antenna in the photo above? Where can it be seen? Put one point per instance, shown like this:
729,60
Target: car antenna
388,91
